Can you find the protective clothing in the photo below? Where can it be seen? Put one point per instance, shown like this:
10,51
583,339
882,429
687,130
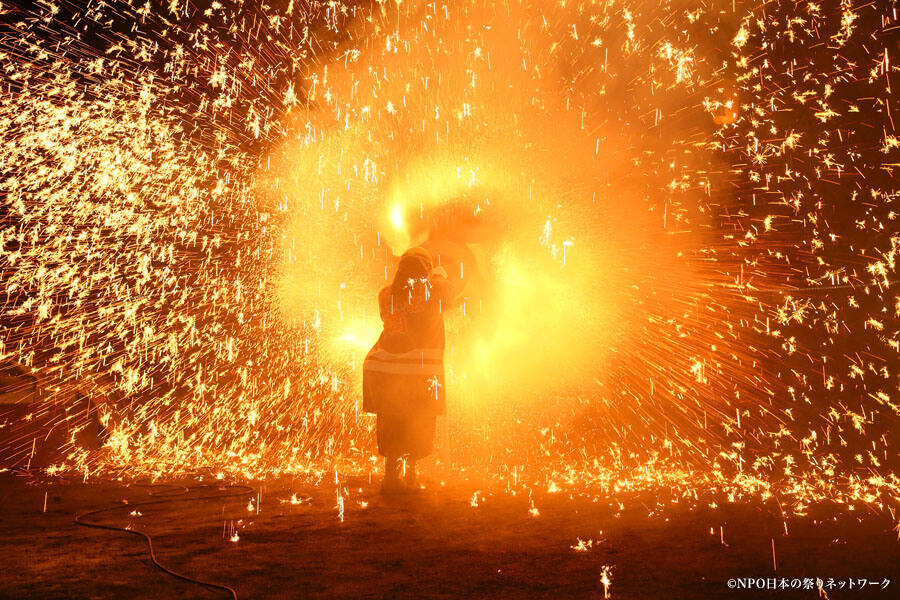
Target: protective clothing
403,373
409,436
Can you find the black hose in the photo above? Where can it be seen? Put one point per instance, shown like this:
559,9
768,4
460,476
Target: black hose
240,490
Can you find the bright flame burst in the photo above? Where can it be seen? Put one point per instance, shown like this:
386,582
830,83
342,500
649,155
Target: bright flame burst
674,227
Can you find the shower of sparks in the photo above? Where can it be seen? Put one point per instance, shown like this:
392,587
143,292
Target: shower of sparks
674,224
606,580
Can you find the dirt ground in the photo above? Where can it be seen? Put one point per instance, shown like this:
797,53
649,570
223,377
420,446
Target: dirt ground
438,544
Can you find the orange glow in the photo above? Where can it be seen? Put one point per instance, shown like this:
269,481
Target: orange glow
675,249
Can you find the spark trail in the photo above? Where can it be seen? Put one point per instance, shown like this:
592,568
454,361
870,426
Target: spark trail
673,225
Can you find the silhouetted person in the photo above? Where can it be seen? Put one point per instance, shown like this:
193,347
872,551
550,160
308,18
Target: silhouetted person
403,374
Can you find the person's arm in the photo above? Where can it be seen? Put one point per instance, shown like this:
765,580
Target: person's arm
384,303
441,287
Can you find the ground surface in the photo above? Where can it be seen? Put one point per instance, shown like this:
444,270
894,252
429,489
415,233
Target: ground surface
436,545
